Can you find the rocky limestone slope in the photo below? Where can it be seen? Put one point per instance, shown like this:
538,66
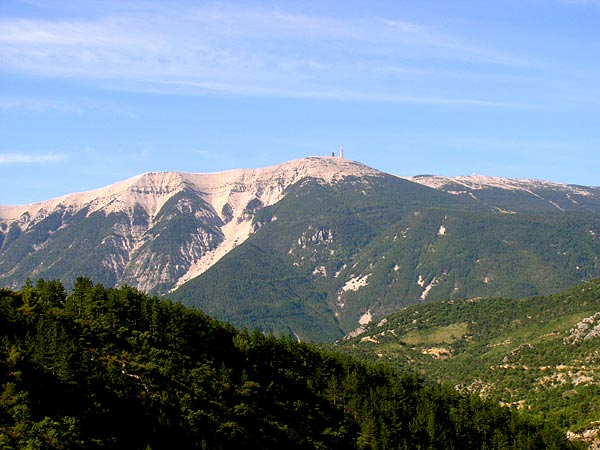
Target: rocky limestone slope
153,231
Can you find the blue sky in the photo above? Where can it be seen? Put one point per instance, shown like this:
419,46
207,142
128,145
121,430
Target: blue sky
93,92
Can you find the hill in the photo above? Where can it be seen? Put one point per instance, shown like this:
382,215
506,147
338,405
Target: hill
114,368
536,354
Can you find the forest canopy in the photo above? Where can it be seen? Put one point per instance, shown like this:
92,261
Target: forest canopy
108,368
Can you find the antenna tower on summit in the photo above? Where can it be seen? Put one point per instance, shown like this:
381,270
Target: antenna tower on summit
341,152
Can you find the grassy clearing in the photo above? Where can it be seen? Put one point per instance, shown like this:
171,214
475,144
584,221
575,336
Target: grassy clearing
443,335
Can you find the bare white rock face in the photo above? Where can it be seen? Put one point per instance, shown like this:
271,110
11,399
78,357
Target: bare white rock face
228,196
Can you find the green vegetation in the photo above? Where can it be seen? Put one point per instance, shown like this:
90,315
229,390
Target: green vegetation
290,275
537,354
113,368
441,335
297,273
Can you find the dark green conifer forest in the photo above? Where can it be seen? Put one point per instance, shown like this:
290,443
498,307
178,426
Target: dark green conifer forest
116,369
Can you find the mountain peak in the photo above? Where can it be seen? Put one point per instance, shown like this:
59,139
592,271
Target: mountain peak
214,213
150,189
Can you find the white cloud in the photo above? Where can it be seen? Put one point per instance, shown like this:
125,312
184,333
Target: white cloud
30,158
216,48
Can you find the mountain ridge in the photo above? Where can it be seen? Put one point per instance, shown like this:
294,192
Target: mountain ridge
312,247
10,213
545,195
161,183
229,200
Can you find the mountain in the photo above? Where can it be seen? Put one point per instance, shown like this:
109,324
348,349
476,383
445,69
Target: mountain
340,255
536,354
295,274
313,247
116,369
154,231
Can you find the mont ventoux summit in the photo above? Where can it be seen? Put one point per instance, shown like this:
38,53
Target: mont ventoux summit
315,248
461,280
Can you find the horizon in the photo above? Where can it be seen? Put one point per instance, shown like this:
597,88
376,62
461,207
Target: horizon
99,91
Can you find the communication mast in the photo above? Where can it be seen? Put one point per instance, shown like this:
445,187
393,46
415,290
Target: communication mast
341,152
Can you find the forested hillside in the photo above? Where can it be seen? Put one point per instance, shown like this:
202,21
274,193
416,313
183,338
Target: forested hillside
115,369
536,354
328,257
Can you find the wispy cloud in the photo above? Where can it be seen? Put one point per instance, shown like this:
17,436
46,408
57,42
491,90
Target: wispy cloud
30,158
217,48
38,105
